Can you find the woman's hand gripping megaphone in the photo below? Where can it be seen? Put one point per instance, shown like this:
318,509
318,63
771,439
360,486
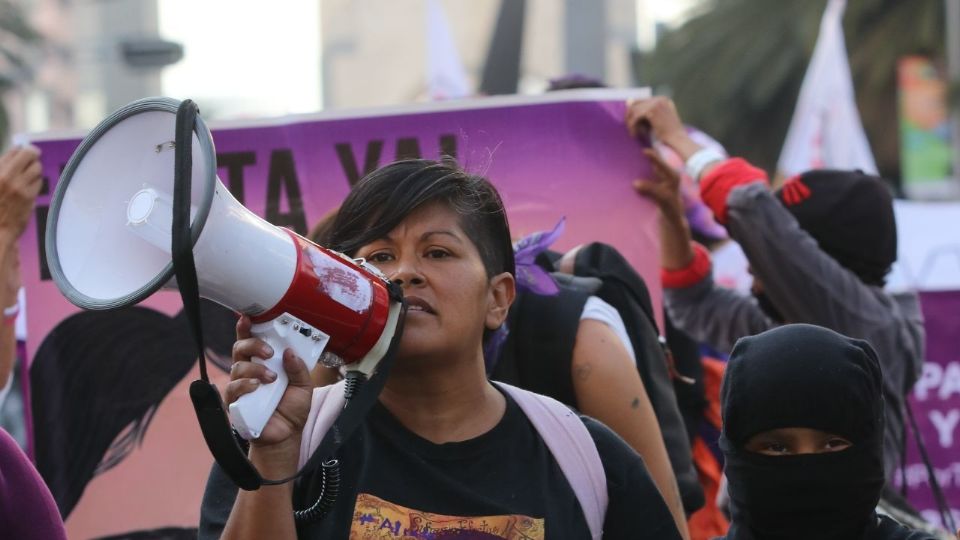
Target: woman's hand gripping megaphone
273,340
283,429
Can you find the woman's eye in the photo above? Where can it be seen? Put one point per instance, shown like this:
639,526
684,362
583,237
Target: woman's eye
437,254
380,257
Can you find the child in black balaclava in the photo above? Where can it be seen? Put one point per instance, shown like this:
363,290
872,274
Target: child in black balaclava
803,438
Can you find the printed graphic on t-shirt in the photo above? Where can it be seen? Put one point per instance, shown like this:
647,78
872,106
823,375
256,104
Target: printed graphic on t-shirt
377,519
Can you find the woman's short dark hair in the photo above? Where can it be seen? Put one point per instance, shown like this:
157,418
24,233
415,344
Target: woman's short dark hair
385,197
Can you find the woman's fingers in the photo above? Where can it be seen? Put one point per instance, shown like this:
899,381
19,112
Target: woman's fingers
663,187
33,177
18,159
240,387
246,349
243,327
662,170
637,111
653,190
245,377
252,370
296,369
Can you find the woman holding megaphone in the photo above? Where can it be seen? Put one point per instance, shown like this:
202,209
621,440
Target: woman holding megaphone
445,453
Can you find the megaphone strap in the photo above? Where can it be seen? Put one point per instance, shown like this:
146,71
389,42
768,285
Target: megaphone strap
181,247
206,399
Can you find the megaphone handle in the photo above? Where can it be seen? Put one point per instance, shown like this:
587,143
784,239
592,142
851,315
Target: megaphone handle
250,413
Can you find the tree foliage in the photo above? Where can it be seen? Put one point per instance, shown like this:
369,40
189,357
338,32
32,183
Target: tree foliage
735,67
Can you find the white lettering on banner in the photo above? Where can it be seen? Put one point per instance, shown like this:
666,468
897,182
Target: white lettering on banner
945,382
951,381
948,477
945,424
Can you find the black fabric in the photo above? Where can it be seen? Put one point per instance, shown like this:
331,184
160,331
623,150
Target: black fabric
506,471
543,331
768,307
850,215
181,246
886,529
691,398
624,289
809,377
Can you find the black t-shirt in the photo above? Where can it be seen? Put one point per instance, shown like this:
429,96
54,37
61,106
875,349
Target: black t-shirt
502,484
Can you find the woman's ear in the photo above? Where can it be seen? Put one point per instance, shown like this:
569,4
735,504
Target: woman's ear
502,292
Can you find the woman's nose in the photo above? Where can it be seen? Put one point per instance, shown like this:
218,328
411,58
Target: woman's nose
407,272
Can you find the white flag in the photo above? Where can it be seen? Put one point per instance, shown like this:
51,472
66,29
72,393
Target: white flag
826,131
446,78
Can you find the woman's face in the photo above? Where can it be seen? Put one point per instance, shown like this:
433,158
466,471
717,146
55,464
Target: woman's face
793,441
451,300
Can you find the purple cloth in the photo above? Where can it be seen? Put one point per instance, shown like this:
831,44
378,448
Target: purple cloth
27,510
530,277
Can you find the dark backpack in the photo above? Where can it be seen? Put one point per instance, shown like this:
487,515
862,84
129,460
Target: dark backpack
543,330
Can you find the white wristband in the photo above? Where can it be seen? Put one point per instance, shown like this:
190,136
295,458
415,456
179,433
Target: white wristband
699,161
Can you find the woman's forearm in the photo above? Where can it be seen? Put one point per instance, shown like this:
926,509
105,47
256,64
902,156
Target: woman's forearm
268,511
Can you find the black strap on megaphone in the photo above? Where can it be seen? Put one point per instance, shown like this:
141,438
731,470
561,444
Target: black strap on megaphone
207,403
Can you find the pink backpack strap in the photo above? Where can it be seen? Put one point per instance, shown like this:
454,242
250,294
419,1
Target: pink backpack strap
572,446
325,407
560,428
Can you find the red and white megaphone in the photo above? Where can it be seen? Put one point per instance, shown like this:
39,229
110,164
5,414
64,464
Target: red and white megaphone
108,245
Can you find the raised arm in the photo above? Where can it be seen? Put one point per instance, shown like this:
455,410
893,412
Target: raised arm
805,283
707,312
20,181
268,511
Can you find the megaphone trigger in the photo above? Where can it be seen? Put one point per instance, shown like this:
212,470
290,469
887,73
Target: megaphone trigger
252,411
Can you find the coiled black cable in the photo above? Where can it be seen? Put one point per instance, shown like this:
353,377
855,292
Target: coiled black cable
329,489
352,382
330,469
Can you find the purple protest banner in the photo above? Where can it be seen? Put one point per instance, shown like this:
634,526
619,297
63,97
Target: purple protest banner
565,154
936,405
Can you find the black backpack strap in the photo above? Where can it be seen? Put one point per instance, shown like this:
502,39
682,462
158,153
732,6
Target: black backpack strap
538,352
625,290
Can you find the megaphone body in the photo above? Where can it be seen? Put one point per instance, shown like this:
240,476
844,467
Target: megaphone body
109,245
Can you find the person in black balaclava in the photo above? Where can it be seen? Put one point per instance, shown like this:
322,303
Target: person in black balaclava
803,438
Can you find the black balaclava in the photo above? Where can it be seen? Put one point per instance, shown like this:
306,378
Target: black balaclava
850,215
804,376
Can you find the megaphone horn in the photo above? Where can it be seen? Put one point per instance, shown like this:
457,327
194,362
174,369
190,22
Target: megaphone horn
108,245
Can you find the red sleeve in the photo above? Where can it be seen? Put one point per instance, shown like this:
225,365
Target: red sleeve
696,271
716,185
